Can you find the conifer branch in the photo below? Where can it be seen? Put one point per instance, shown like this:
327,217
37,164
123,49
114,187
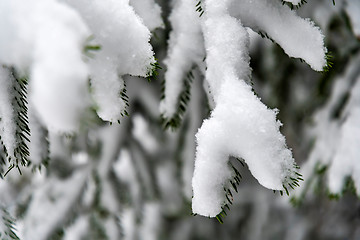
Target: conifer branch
19,103
7,226
199,8
233,184
153,70
294,6
183,100
125,98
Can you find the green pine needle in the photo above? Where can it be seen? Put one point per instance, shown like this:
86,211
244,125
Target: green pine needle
183,100
153,70
22,130
199,8
9,223
234,182
329,62
293,6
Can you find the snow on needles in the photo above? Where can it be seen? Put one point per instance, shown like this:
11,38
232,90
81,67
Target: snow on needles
44,38
337,137
125,49
7,128
185,50
299,37
240,125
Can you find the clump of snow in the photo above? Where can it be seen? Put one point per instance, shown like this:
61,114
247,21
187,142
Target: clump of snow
185,50
294,2
150,13
240,124
299,37
7,118
44,38
125,49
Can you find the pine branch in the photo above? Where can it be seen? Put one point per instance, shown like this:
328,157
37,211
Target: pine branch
199,8
89,47
329,62
7,226
265,35
44,147
293,6
234,182
291,181
2,159
18,93
125,98
183,100
153,70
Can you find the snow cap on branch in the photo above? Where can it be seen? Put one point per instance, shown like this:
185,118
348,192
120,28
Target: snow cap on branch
240,124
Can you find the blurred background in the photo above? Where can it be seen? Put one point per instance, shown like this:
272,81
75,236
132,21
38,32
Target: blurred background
140,187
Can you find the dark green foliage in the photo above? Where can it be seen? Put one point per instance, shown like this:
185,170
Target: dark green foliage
97,230
19,104
8,223
234,182
291,182
57,235
125,98
2,159
153,71
265,35
184,98
90,48
292,6
199,8
329,63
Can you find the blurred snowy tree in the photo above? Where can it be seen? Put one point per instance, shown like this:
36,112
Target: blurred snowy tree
88,134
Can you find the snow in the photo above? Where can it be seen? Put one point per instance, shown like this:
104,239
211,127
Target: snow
246,129
7,225
185,50
125,49
141,132
150,13
7,126
294,2
151,221
345,162
169,187
240,124
128,223
44,39
53,196
299,37
38,145
337,139
125,171
78,229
